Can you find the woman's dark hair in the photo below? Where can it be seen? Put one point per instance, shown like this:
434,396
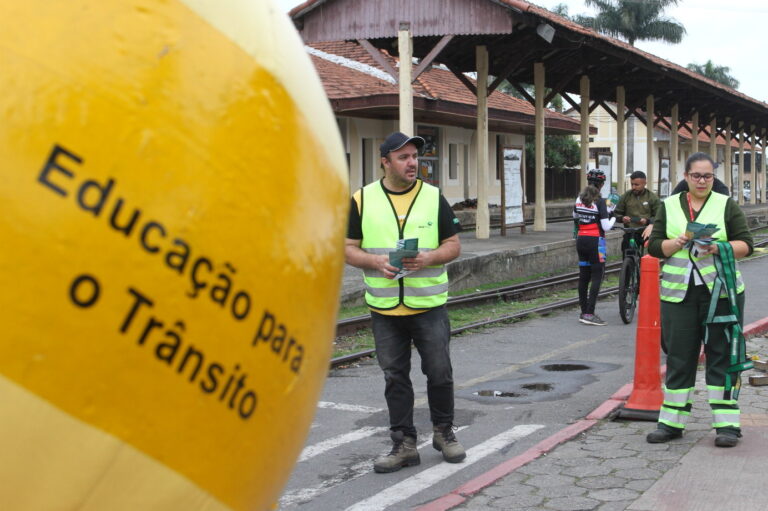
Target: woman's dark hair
589,195
698,157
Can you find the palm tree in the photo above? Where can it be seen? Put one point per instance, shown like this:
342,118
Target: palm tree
720,74
633,20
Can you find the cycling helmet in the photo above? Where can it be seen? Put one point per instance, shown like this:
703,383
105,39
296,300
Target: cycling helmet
596,177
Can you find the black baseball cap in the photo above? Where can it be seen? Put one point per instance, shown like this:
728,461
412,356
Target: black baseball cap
397,140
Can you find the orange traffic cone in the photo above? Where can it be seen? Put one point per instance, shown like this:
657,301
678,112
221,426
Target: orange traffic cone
646,398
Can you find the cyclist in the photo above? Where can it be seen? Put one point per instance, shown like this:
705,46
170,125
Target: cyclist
592,220
637,208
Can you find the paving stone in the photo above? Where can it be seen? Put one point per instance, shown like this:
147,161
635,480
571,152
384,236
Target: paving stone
639,473
661,455
614,494
619,505
550,481
617,453
579,462
640,484
561,491
595,483
517,501
541,467
664,466
603,446
572,504
478,503
624,463
502,489
587,469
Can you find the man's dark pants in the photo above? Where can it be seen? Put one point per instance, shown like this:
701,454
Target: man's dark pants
431,333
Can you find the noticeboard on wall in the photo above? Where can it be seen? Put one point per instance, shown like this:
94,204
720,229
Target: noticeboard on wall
605,163
664,187
512,190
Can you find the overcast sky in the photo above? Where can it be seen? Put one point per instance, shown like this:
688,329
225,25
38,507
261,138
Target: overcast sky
730,33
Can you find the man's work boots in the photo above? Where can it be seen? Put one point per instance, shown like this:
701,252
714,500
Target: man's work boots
445,441
403,454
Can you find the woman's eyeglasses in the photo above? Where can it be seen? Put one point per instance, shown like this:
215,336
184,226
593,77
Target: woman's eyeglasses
698,177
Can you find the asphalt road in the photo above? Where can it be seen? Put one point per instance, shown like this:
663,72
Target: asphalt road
515,386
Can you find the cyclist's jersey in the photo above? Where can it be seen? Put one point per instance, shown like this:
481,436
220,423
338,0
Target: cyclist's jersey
588,218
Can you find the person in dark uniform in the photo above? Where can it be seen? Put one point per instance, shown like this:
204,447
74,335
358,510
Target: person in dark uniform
637,208
689,276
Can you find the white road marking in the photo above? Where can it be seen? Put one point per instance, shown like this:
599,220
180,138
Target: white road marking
360,469
348,408
326,445
426,478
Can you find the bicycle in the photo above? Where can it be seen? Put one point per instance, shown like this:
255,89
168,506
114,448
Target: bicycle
629,276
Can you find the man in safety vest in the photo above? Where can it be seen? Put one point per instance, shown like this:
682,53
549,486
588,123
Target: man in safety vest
702,300
407,301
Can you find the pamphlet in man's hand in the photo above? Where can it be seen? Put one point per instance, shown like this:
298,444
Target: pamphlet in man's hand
405,248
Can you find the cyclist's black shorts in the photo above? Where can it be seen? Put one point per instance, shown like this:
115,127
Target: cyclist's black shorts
591,250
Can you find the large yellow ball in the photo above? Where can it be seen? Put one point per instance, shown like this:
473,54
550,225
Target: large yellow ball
172,210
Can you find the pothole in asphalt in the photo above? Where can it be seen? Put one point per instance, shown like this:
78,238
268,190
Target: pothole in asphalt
565,367
496,393
538,386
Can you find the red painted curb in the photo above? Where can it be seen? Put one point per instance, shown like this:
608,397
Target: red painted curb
473,486
443,503
756,328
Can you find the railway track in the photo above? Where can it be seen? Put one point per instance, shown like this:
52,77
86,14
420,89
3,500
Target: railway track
519,292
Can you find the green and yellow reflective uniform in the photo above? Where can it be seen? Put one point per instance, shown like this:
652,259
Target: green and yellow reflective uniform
685,298
385,217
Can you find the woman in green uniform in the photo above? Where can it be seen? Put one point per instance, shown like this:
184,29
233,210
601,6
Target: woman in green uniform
689,276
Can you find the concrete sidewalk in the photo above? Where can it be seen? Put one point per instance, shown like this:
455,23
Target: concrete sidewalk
600,464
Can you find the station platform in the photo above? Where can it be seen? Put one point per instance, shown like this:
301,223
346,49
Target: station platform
601,464
513,256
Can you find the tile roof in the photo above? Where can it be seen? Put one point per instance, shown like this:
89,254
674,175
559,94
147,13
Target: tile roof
349,72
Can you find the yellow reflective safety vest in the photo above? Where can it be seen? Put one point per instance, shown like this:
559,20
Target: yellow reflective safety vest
676,272
424,289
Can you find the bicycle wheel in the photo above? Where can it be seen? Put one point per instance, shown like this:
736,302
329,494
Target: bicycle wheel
628,289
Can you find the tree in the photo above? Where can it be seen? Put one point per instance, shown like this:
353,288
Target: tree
633,20
720,74
560,152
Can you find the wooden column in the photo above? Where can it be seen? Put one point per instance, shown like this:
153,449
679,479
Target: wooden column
673,142
621,141
739,184
482,219
650,149
727,157
584,90
405,48
695,134
713,139
540,211
761,180
753,166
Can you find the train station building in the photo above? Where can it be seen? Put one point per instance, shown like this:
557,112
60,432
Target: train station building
517,42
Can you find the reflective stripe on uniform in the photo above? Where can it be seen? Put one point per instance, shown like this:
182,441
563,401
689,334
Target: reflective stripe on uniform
724,418
716,395
678,397
673,417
